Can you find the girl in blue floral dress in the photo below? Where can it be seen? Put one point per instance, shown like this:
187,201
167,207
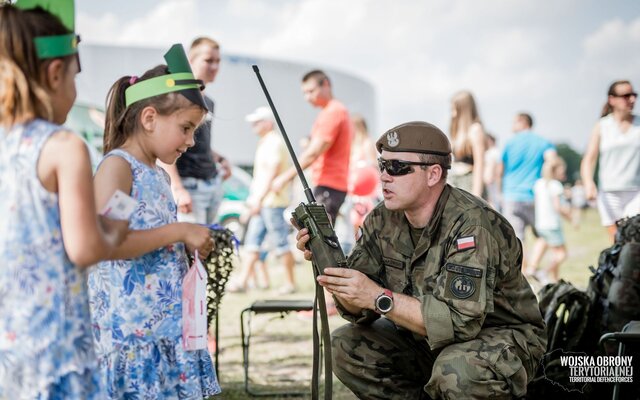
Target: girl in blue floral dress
136,302
49,228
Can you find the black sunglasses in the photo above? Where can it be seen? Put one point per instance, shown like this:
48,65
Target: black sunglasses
398,167
626,96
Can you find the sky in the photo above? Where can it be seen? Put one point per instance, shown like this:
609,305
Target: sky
552,58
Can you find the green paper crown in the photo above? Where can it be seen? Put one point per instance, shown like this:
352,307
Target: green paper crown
180,78
56,45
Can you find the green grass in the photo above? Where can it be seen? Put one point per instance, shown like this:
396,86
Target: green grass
281,348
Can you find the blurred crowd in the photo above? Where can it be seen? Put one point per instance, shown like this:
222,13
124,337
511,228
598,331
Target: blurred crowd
524,178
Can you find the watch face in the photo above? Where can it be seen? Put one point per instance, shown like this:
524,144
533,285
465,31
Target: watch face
384,303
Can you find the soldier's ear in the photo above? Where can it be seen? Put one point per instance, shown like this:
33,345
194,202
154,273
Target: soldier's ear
434,174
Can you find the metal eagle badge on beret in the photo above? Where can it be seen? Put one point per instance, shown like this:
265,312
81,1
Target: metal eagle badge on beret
392,139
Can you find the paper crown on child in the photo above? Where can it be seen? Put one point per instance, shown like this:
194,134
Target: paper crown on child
180,78
55,45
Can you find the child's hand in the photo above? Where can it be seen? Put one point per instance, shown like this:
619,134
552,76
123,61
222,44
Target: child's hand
115,230
197,237
183,200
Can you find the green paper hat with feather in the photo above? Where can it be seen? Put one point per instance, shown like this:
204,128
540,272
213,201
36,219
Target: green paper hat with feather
179,79
56,45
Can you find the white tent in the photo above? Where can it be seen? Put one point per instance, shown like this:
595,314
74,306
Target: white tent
236,92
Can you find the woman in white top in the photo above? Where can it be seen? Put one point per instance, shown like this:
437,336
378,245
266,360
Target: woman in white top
468,143
363,149
616,140
490,178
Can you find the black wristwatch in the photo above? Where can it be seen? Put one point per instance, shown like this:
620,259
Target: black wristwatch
384,302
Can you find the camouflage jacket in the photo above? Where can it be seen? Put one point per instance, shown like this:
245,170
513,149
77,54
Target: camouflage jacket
465,270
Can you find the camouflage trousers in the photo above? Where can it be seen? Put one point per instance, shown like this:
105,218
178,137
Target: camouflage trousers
380,361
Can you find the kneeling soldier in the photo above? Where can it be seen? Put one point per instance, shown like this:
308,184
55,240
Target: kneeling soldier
437,302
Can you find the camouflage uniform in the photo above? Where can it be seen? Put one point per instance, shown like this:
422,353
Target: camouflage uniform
485,334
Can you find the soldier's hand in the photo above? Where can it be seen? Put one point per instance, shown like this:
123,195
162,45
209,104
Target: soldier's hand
350,286
303,237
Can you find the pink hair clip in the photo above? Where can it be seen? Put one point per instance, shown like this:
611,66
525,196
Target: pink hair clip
133,80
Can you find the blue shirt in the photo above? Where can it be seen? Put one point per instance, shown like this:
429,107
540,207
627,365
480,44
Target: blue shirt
522,157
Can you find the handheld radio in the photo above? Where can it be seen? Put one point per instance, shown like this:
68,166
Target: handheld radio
325,252
323,243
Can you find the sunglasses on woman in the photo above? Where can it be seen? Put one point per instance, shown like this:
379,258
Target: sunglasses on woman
398,167
626,96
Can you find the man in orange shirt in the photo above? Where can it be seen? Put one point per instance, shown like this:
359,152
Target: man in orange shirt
329,148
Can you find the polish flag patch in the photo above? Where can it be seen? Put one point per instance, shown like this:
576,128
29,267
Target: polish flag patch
464,243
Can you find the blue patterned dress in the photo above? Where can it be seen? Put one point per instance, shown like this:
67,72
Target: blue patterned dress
136,308
46,349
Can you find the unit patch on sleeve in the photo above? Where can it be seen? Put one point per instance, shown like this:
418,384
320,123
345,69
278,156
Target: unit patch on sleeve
463,282
462,286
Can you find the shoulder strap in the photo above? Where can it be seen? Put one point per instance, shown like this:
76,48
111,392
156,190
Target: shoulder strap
321,343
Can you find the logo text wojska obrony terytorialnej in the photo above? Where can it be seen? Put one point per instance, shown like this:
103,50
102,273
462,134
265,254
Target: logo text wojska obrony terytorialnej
598,368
